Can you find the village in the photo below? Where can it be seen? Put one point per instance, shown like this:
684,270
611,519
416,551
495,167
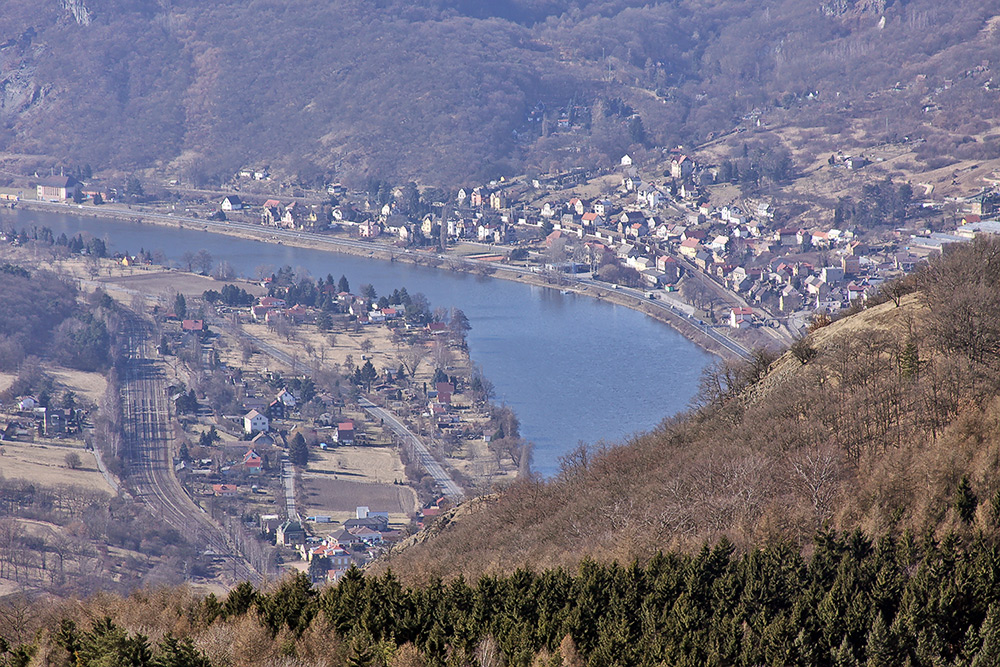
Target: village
270,373
684,234
270,434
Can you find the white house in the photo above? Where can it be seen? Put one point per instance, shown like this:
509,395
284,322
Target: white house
626,160
740,318
255,422
287,398
231,203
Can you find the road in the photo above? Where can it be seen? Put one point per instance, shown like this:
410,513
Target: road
430,464
448,485
150,472
288,480
666,304
277,235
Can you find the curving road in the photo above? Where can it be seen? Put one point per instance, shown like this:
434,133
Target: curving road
448,485
430,464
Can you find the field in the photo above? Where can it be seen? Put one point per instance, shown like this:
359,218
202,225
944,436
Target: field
87,386
44,463
368,464
333,496
164,283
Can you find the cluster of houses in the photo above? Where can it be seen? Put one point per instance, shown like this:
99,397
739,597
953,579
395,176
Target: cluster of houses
29,419
356,542
259,413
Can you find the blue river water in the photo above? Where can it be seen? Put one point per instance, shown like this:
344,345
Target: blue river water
574,369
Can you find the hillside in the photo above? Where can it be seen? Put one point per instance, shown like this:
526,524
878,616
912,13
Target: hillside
892,408
447,90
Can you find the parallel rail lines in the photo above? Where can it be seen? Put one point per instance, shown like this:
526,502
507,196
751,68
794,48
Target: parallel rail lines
146,419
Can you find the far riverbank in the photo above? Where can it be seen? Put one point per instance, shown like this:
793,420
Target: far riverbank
381,251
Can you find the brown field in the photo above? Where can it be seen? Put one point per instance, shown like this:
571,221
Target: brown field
308,337
158,282
339,497
87,386
44,463
362,464
6,380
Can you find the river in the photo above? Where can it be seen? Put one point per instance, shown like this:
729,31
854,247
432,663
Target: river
572,368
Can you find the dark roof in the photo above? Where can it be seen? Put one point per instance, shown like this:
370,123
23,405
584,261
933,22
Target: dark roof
57,181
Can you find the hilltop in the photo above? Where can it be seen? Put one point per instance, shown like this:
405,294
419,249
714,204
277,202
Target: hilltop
440,92
884,420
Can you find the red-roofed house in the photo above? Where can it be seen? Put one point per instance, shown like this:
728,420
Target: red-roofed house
192,325
225,490
689,248
345,433
272,302
740,318
252,461
681,166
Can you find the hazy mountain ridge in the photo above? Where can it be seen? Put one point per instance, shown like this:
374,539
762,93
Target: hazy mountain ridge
441,91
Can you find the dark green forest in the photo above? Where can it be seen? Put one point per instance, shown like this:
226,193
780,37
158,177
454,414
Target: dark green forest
439,91
854,600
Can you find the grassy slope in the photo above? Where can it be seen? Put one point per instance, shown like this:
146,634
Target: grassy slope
803,448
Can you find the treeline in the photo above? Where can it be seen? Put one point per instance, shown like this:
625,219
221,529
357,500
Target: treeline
856,600
323,294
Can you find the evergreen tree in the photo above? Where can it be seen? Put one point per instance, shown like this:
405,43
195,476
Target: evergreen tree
239,600
180,306
367,375
343,285
179,653
298,451
966,500
989,652
909,359
879,647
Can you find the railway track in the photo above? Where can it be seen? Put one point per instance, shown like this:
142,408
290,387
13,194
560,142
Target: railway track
147,443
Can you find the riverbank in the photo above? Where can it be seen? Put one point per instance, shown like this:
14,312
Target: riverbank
572,369
373,250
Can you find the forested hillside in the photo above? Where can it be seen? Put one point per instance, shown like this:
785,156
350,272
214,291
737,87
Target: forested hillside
40,317
856,601
886,420
443,90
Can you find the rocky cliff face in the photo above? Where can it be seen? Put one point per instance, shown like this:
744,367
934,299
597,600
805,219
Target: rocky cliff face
19,91
81,14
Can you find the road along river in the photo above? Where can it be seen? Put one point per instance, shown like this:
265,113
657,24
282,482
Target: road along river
573,368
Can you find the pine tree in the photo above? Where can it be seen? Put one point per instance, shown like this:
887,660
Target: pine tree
298,451
180,306
989,633
909,359
966,500
879,649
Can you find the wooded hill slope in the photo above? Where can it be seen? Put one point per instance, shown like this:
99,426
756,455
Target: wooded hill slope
882,603
885,420
441,91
